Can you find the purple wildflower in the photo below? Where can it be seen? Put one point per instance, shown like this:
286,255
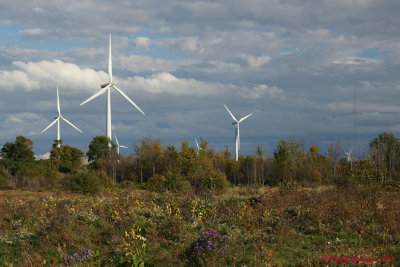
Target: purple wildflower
77,257
209,242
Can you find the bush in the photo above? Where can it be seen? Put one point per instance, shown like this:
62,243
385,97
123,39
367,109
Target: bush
210,180
171,181
85,182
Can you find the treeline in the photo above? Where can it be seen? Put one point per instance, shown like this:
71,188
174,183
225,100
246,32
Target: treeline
157,167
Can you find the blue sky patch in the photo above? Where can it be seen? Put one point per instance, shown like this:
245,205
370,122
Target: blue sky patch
372,53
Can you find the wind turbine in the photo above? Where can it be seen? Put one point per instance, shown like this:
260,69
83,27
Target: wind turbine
107,88
349,158
57,119
237,132
118,145
197,145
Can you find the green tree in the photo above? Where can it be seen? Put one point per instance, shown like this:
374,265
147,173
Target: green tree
20,150
385,152
170,155
315,161
100,147
227,154
281,157
259,151
150,158
259,172
289,159
16,154
67,158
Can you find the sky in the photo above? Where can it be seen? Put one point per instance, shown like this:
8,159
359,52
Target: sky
294,64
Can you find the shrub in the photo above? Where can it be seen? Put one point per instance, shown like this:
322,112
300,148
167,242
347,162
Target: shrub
210,180
85,182
171,181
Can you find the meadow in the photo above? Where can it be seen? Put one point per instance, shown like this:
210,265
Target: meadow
164,206
241,226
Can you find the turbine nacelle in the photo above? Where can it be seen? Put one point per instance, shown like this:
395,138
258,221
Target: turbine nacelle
105,85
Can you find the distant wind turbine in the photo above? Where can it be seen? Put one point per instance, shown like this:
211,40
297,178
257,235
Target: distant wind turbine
57,119
237,132
348,155
349,158
107,88
118,145
197,145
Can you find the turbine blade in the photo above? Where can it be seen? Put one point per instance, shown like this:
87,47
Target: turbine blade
242,119
70,123
102,91
51,124
197,144
233,117
116,139
58,102
110,61
127,98
123,146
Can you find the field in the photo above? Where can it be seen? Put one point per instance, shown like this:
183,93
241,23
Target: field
243,226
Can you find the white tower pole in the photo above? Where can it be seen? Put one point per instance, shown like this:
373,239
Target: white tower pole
59,115
237,141
109,114
58,133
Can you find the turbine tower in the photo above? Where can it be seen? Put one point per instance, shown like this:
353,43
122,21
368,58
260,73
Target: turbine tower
237,132
57,119
107,88
118,145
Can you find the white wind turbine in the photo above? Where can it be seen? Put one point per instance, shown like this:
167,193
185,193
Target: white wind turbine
348,155
57,119
349,159
197,145
118,145
237,132
107,88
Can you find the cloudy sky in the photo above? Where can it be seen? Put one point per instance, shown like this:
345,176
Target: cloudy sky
294,64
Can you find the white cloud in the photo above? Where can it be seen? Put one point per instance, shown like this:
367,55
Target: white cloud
44,156
143,42
272,91
258,61
44,74
138,63
167,83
